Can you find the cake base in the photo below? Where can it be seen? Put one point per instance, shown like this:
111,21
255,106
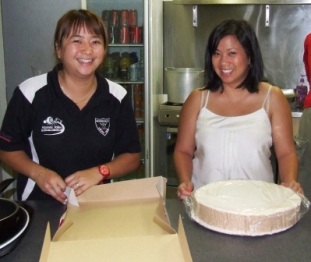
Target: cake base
245,207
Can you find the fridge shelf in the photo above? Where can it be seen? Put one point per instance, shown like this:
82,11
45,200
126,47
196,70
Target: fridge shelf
139,120
126,45
121,82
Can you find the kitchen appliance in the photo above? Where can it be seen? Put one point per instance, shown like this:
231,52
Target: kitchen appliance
171,175
179,82
168,114
19,231
14,220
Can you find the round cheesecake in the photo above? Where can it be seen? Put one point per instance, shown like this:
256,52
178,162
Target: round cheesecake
245,207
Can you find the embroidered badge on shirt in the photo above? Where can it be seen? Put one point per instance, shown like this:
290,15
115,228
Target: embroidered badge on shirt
52,127
102,125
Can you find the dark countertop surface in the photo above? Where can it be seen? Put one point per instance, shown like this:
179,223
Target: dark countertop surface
205,245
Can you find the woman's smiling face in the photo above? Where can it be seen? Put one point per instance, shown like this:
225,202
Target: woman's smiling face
230,61
81,52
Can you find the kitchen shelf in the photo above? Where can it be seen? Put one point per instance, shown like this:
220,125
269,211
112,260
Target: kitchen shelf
121,82
126,45
140,120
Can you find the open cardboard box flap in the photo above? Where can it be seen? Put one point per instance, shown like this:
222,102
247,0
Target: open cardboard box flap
122,221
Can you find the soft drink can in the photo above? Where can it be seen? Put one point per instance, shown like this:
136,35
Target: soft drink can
124,35
114,18
137,35
132,17
124,18
114,34
131,34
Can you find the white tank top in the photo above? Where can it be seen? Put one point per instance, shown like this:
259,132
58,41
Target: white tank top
235,147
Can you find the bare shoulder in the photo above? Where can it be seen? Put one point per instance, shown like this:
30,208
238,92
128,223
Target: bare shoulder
196,93
193,101
195,97
277,95
278,102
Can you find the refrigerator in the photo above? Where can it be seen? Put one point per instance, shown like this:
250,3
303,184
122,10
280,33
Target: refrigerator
28,29
148,52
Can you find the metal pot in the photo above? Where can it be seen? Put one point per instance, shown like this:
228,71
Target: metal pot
9,215
179,82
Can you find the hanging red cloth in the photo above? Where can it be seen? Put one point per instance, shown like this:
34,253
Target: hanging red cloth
307,62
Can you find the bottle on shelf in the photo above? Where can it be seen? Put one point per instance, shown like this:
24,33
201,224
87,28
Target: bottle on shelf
109,67
301,92
141,71
133,72
124,66
116,57
138,100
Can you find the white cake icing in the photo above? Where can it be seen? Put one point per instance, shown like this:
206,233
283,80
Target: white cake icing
245,207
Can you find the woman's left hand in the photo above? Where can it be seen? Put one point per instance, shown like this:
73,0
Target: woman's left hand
294,185
82,180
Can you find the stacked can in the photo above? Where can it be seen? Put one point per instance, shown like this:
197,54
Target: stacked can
124,36
138,100
112,20
122,26
135,30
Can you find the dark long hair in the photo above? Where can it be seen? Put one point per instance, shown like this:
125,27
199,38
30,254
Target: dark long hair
73,21
247,38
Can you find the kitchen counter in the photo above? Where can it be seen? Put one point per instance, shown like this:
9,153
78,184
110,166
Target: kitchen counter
296,116
296,113
205,245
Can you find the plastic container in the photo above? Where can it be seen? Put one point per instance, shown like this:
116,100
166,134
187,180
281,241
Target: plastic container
301,92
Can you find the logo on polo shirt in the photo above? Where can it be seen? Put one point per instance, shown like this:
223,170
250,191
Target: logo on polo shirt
52,127
102,125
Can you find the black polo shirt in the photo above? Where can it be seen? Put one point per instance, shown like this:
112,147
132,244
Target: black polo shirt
55,133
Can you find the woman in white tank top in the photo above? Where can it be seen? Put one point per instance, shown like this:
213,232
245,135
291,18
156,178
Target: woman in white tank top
227,128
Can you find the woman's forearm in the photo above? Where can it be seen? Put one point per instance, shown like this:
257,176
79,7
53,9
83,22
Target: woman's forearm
288,168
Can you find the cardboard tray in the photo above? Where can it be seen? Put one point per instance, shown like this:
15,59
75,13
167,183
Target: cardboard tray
122,221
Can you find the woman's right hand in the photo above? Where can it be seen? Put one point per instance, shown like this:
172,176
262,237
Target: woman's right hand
52,184
185,190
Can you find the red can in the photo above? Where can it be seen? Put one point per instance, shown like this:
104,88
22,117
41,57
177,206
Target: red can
124,35
132,17
124,18
131,33
114,18
135,34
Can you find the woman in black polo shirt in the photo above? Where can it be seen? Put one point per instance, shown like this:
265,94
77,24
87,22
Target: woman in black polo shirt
70,127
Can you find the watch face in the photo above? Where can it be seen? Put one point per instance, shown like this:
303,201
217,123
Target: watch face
104,170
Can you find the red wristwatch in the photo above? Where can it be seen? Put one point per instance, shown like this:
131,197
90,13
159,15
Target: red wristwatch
104,171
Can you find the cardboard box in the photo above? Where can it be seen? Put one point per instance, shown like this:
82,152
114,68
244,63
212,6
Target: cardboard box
122,221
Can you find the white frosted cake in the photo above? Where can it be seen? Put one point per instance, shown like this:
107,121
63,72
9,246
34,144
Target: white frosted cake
245,207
